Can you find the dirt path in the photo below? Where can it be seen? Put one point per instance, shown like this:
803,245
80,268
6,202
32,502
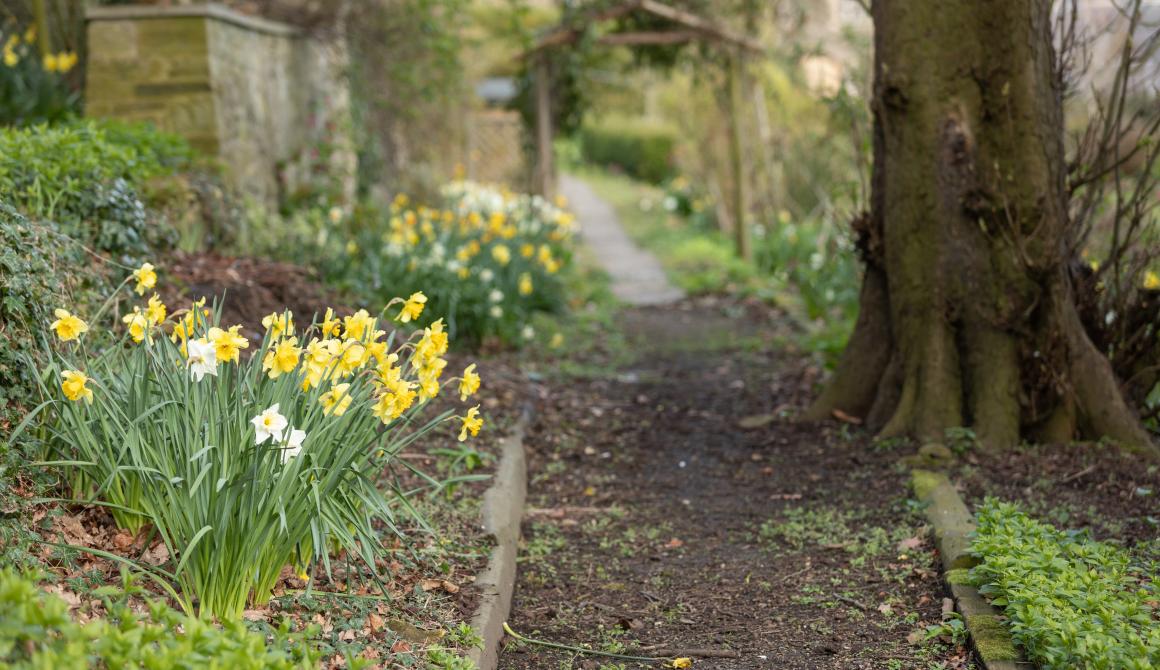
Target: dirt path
673,509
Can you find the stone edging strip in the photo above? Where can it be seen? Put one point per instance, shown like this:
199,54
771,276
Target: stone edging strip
503,510
209,10
953,523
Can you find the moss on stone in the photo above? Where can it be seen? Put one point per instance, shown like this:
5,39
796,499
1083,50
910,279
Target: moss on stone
992,639
959,576
924,482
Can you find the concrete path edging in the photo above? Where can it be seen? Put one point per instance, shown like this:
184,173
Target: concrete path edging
953,523
502,513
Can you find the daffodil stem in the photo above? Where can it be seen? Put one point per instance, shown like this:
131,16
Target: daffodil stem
580,650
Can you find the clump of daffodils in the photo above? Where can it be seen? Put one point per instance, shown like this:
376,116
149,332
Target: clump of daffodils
488,259
186,422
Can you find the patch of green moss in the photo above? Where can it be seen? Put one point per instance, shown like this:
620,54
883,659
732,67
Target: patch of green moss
924,482
991,638
960,576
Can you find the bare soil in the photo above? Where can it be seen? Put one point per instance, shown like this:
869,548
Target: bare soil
675,512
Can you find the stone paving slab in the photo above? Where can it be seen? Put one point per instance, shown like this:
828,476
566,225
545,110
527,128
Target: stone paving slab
637,276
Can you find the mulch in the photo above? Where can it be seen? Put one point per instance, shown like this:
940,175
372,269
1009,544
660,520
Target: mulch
1113,493
249,288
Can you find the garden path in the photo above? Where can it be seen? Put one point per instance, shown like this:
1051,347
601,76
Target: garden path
637,276
672,507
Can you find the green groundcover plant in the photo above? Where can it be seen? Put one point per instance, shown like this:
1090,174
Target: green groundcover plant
37,633
242,464
489,258
84,175
1071,602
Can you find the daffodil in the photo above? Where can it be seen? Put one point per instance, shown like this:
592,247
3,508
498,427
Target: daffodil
471,423
501,254
525,284
50,63
337,400
269,424
1151,281
228,343
413,307
67,326
202,359
279,324
74,385
146,278
138,324
469,383
357,325
682,662
331,325
557,341
390,406
282,358
293,446
155,311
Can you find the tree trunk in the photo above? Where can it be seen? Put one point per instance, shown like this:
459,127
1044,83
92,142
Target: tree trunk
968,317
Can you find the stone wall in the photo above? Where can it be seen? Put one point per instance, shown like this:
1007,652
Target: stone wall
271,103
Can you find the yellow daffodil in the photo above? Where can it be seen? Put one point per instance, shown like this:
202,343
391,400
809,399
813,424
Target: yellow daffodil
65,61
155,311
471,423
413,307
67,326
557,341
1151,281
74,385
682,662
528,250
390,406
279,325
525,284
50,63
282,358
336,401
146,278
357,325
501,254
469,384
138,323
354,356
11,58
331,325
228,343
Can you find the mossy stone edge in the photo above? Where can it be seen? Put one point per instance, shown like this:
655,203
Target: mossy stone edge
952,524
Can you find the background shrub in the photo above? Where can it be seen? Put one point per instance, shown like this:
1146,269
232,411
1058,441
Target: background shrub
643,149
84,175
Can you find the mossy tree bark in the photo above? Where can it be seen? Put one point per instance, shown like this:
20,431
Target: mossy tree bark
967,314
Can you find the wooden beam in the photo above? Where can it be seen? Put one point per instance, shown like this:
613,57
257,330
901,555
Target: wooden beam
699,23
737,156
649,38
545,169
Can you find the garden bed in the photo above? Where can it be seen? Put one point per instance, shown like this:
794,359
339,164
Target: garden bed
1115,494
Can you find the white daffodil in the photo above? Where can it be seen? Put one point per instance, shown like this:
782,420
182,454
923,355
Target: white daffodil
496,295
528,333
496,311
202,359
486,274
293,445
269,424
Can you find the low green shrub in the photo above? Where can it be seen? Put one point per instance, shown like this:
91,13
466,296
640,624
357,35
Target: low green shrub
642,149
1071,602
241,464
84,175
488,260
37,633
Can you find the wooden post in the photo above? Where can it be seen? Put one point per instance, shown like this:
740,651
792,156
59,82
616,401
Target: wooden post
736,155
545,169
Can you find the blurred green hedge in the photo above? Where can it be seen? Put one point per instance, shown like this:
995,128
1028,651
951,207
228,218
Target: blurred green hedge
642,149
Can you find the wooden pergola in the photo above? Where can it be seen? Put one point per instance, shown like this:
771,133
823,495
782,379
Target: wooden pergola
685,27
